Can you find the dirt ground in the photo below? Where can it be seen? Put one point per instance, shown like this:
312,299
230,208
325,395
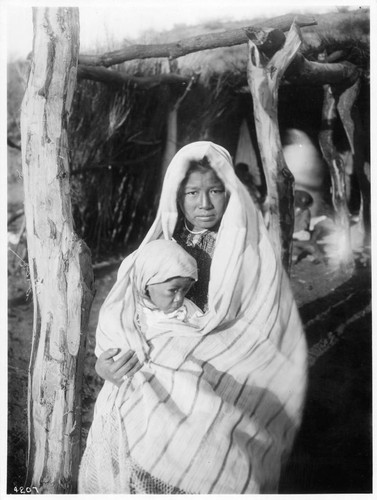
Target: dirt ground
333,452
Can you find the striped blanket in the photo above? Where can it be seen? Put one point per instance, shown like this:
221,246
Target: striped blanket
214,409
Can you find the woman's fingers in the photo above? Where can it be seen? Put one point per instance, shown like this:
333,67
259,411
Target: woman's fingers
136,368
109,353
130,367
124,358
114,371
104,363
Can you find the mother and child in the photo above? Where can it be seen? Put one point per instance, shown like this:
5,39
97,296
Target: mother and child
201,347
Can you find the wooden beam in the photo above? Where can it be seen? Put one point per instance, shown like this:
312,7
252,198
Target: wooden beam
192,44
120,78
304,72
61,275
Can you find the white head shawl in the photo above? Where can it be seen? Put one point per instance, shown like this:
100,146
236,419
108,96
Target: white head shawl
247,279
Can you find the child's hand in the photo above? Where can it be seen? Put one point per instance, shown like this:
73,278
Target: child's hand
114,371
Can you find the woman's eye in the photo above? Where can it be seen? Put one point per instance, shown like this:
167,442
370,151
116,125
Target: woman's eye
190,193
217,191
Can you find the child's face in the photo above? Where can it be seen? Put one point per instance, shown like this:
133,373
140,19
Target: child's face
168,296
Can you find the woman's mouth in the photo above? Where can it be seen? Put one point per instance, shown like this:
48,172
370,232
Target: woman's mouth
205,217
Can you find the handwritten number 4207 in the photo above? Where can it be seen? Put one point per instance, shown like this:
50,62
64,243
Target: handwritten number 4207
28,489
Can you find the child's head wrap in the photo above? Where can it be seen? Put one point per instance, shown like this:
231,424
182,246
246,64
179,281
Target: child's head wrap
161,260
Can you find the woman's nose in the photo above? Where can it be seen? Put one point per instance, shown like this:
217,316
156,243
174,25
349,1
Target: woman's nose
205,201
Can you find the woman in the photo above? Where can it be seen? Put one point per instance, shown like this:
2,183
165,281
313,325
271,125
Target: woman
214,411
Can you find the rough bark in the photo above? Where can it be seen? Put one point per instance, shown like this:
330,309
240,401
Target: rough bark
192,44
264,75
337,173
60,265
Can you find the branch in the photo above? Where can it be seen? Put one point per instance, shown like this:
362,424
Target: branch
304,72
187,90
300,70
120,78
192,44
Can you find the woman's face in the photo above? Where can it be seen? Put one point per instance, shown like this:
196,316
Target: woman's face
203,200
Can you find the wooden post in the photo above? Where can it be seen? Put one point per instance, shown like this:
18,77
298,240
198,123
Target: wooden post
172,130
60,264
344,255
269,56
351,120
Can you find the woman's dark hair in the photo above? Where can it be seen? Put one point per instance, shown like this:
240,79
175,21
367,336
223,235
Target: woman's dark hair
202,166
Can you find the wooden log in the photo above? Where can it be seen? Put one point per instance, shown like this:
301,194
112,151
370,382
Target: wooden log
60,266
344,256
351,120
264,76
120,77
300,72
192,44
304,72
172,131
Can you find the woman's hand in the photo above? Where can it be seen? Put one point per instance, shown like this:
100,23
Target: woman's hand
114,371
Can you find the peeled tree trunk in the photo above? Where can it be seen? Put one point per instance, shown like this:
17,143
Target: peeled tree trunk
60,266
269,56
344,255
352,123
172,130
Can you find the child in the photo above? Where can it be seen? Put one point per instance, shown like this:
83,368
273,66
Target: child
303,202
303,242
163,274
